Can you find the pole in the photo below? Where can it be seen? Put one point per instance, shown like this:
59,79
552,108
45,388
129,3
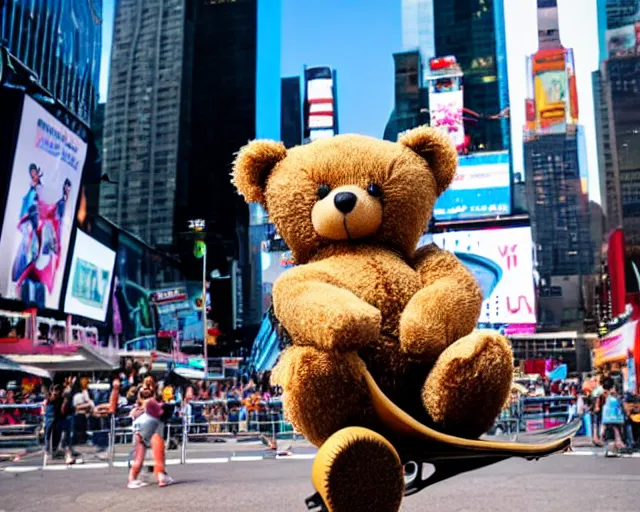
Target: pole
204,316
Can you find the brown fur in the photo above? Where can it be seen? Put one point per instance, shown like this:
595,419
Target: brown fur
363,294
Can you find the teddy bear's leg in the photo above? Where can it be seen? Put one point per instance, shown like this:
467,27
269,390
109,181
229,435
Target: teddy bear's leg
358,470
469,384
323,392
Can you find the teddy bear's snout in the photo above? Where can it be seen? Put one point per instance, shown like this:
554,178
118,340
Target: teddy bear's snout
345,201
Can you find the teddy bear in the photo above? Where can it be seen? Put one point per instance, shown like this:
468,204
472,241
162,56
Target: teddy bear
361,297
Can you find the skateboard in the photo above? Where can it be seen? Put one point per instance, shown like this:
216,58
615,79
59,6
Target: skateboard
417,444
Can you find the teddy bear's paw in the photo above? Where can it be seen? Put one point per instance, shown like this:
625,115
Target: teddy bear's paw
469,384
351,327
359,470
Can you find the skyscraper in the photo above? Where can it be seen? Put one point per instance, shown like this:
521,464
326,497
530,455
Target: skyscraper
473,33
618,117
142,118
554,151
290,114
61,42
418,29
188,86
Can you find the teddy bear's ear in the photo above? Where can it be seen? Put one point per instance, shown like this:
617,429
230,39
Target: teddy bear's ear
252,167
436,148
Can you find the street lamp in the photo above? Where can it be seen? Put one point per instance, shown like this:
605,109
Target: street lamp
200,251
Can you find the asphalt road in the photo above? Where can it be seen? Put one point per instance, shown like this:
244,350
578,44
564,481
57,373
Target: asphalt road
557,484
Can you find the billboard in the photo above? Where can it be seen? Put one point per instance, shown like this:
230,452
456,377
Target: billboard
89,287
621,28
502,262
481,188
319,105
446,112
40,209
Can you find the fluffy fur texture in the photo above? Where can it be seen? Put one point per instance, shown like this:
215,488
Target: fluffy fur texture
361,293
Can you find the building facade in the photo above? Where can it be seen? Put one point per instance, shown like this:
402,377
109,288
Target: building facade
60,41
189,83
291,113
472,32
618,123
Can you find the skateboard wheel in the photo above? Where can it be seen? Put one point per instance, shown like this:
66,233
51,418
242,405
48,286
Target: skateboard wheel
358,470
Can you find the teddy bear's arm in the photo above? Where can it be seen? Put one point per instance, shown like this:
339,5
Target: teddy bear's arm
317,313
444,310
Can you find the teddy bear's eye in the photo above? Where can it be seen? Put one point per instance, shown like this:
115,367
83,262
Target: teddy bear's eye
374,190
323,191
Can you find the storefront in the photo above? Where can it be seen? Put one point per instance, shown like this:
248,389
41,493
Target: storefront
617,354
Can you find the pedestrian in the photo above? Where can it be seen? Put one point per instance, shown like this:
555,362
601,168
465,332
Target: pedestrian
148,430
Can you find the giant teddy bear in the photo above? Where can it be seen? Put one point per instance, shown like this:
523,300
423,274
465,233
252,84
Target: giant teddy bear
352,210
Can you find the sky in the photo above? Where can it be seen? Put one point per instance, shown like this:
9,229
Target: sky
357,42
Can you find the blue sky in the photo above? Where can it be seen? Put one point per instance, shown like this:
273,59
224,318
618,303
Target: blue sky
355,37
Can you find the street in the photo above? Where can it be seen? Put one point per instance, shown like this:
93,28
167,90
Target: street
560,483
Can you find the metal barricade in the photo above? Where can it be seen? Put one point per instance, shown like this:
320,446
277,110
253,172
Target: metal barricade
20,432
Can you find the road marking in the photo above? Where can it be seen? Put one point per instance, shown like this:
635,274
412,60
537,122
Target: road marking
21,469
246,458
297,456
214,460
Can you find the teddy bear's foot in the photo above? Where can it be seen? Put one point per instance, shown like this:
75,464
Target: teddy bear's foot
469,384
359,470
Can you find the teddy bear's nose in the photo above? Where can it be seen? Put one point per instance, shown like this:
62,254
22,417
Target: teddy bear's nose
345,201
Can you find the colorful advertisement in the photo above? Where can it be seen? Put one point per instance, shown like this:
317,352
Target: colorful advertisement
550,89
623,41
90,278
616,346
446,113
502,262
622,30
481,188
41,206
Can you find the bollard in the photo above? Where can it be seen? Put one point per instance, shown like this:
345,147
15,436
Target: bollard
185,435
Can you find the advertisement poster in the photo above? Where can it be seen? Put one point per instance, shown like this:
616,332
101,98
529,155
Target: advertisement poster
90,278
481,188
40,209
616,345
623,28
502,262
551,101
446,113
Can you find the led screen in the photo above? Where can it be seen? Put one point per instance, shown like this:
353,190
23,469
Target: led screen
502,262
481,188
89,287
40,209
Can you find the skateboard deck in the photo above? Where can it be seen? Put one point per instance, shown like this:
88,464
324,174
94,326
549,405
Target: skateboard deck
418,444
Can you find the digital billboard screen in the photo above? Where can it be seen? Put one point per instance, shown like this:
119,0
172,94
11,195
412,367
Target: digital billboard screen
41,205
445,107
481,188
89,287
502,262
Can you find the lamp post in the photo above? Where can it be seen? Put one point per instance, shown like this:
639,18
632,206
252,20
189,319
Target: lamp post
200,251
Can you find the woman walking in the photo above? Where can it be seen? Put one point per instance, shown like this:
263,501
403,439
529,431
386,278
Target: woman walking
148,429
